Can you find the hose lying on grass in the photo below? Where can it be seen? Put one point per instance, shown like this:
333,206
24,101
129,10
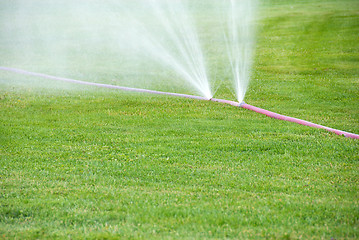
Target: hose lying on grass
236,104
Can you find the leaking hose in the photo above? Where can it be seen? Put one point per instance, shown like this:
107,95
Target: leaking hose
236,104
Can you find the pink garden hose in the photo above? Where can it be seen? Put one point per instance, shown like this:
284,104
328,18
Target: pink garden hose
236,104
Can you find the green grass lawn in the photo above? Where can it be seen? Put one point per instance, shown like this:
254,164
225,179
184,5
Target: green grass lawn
87,163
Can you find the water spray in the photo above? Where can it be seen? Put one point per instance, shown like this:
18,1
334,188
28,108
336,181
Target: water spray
233,103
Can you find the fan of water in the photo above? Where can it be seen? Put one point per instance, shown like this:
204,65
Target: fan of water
240,43
157,44
170,39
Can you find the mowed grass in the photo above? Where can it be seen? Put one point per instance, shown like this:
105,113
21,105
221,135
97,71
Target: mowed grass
101,164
